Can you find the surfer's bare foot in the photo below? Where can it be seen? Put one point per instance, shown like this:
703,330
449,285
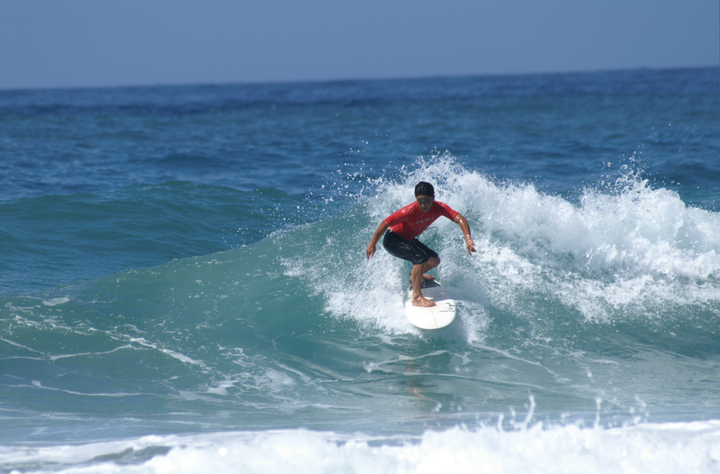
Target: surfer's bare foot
423,302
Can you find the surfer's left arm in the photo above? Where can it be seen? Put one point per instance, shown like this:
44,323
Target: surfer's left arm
462,222
370,251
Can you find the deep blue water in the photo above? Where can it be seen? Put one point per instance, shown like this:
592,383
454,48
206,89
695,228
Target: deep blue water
183,272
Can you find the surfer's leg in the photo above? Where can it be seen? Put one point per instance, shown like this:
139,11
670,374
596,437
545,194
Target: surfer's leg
420,256
416,277
429,265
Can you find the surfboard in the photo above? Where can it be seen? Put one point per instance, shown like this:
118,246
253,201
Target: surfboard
434,317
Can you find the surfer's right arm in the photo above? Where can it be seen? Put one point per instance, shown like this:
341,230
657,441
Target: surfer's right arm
370,251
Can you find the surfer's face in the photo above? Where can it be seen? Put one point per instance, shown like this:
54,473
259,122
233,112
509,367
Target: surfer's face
425,202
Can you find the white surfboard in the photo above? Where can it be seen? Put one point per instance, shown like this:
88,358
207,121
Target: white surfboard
434,317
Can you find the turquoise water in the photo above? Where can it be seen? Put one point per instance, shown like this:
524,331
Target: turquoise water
184,286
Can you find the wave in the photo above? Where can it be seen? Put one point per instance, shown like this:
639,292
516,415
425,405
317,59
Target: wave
625,253
628,254
662,448
53,240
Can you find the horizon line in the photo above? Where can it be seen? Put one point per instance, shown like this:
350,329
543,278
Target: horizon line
350,79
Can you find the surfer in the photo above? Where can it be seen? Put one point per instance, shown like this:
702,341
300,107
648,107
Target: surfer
402,228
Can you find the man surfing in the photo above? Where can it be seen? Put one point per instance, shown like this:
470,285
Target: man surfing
402,228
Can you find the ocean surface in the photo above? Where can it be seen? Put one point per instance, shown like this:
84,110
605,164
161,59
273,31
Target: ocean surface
184,287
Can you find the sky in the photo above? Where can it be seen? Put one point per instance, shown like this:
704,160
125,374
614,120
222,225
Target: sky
97,43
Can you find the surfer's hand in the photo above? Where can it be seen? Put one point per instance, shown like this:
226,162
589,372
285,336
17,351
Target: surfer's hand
370,251
470,245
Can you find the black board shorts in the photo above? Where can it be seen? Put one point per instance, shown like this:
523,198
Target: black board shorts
412,250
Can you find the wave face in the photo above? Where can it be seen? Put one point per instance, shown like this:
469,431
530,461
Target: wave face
175,319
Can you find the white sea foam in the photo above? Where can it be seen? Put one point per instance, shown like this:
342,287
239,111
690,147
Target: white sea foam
626,251
628,247
55,301
660,448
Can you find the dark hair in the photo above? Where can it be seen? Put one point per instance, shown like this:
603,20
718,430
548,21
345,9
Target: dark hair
424,189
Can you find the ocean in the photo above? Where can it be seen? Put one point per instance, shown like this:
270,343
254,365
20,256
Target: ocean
184,285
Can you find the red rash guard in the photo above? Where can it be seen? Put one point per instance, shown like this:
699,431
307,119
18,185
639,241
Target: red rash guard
410,221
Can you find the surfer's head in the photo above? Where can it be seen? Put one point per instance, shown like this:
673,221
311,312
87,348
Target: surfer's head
424,189
425,195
